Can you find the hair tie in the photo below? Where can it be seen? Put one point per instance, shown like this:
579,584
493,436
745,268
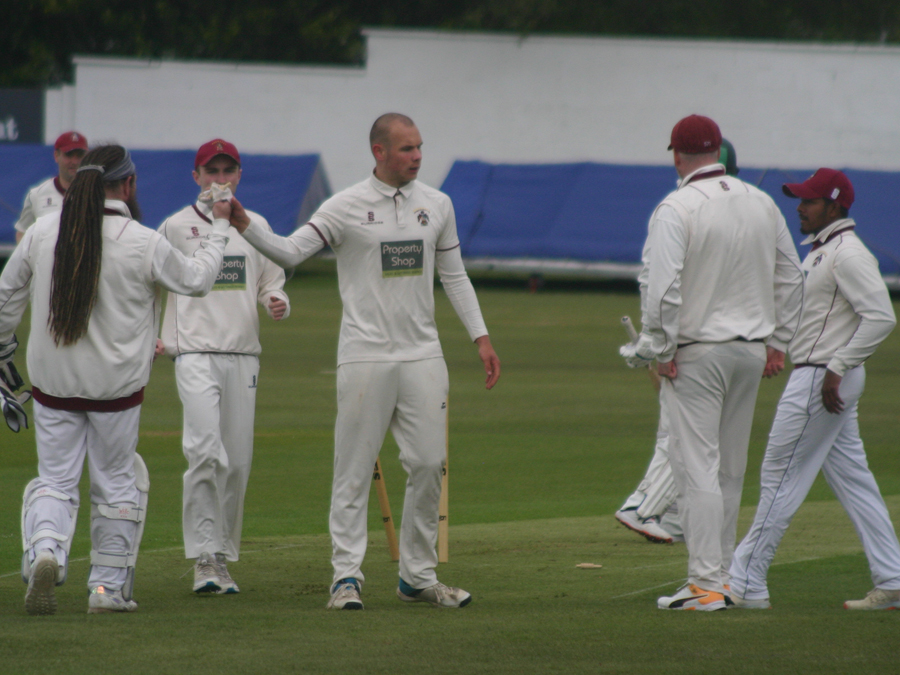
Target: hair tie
91,167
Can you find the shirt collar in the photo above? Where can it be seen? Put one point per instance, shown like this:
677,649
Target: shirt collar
697,174
118,206
204,208
825,233
390,190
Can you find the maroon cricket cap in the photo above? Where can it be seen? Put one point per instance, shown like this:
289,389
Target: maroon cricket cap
823,184
213,148
69,141
695,135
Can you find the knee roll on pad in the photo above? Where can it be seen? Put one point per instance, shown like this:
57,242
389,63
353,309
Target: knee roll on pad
33,492
134,513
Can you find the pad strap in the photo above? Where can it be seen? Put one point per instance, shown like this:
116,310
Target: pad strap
47,492
130,512
106,559
46,534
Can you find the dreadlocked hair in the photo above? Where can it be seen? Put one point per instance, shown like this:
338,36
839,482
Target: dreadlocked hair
76,265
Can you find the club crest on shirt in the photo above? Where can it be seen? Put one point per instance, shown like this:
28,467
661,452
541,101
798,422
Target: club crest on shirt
195,233
818,259
422,215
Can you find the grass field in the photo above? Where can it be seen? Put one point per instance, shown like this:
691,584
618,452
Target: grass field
538,466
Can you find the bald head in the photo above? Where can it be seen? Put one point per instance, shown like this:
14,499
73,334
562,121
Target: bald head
381,130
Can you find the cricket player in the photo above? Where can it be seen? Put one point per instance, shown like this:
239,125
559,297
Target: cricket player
724,291
846,314
651,510
214,340
388,233
92,274
47,197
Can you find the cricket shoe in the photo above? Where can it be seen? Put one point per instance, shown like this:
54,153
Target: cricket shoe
103,600
227,586
877,598
647,527
40,598
747,603
691,597
438,595
206,574
345,595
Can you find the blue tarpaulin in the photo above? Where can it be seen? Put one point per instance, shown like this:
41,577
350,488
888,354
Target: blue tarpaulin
285,189
599,212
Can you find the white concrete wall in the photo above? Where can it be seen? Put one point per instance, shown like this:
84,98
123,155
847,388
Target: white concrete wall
509,99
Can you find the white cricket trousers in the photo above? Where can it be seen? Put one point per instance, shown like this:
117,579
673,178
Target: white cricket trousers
410,397
109,440
805,438
711,403
218,393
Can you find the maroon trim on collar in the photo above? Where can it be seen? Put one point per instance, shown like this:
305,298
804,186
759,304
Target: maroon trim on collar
817,244
58,185
708,174
87,404
200,213
113,212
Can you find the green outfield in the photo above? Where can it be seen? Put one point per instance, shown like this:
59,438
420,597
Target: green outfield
538,466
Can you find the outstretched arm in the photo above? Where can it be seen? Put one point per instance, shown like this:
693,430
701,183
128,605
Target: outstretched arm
289,251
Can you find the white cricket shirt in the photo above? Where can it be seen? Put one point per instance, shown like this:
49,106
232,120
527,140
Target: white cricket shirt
847,311
42,199
387,242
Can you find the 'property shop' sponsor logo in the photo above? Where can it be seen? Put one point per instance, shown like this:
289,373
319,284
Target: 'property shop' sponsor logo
233,275
402,258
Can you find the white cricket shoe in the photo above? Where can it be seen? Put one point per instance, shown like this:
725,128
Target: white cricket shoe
345,595
104,600
646,527
745,603
438,595
877,598
40,598
206,574
227,586
691,597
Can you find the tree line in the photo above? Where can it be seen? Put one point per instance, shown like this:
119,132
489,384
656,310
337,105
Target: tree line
39,37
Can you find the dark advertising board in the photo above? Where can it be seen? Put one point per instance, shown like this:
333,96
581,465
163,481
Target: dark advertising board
21,115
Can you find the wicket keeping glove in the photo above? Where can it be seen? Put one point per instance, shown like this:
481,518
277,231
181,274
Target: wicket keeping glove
8,349
216,193
9,375
633,356
13,412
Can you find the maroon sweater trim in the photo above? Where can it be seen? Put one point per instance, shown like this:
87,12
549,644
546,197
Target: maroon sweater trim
318,232
59,188
200,213
708,174
87,404
817,244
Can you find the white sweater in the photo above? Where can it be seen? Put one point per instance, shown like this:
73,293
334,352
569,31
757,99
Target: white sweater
722,266
113,359
226,320
847,312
